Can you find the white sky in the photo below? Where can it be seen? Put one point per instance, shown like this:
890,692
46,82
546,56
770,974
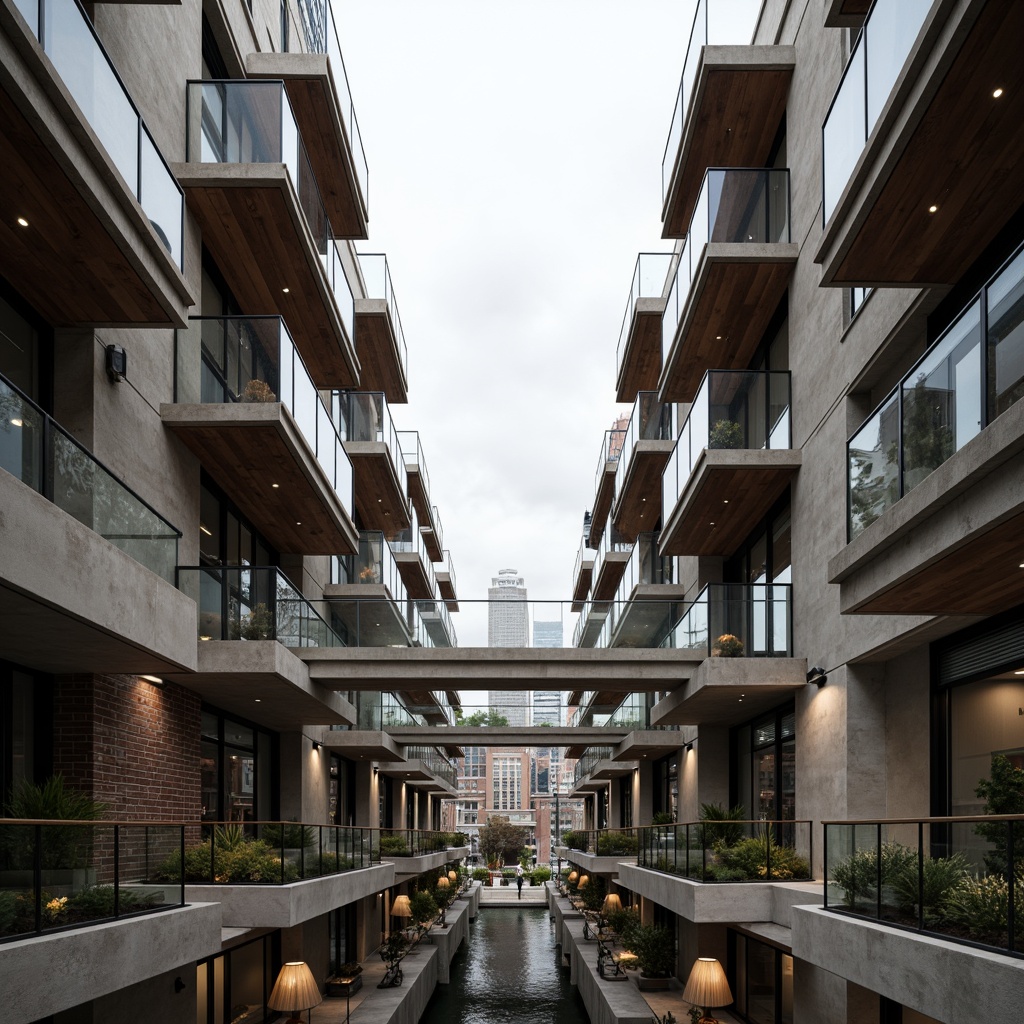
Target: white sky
515,164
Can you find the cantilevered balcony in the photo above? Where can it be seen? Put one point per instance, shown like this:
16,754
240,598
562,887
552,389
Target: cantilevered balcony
646,447
582,575
647,603
251,186
69,517
921,144
414,562
732,460
371,442
444,573
93,218
846,13
590,623
934,517
367,596
248,409
433,535
744,633
638,356
318,88
732,274
380,340
416,471
731,100
609,563
604,491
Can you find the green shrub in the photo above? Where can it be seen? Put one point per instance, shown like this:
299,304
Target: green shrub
575,840
623,922
981,906
424,907
540,875
751,858
939,875
393,846
594,892
248,860
481,875
727,834
97,901
655,950
726,434
1003,793
295,836
857,876
663,818
613,844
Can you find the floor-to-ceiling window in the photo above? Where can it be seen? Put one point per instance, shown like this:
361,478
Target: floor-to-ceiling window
26,727
233,987
761,981
237,769
764,770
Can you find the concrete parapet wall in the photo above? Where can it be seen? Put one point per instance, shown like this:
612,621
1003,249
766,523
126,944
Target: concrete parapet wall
449,938
406,1003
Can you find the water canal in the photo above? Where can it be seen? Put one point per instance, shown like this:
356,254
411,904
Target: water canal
508,974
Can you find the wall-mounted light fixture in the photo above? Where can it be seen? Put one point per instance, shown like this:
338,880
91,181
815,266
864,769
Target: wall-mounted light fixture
316,746
117,363
817,676
688,746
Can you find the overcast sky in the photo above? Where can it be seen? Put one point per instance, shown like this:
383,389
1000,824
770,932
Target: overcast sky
514,152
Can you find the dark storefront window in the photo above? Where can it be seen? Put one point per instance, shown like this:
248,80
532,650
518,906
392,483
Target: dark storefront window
237,770
764,776
26,727
761,981
233,987
666,786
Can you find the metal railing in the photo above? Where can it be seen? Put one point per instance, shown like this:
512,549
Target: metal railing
735,409
41,454
650,420
253,603
959,878
736,205
58,875
611,450
412,451
67,36
435,762
728,850
715,23
365,416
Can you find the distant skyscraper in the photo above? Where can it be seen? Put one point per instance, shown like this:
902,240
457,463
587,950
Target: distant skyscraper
508,626
547,707
547,634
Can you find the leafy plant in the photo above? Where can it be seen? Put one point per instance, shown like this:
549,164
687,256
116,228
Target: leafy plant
616,843
857,876
981,905
1003,793
594,892
394,949
755,856
291,836
540,875
501,840
481,875
655,950
726,434
575,840
257,391
623,922
424,907
727,646
939,875
663,818
729,833
255,625
394,846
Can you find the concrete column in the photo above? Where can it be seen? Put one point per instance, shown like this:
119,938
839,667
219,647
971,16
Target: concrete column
643,793
305,779
367,795
819,997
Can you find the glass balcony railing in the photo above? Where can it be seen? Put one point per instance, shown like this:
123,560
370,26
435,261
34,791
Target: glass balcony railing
410,540
437,621
631,712
611,450
448,567
715,23
377,278
410,842
436,525
412,451
435,762
588,762
747,205
72,874
752,620
373,563
650,420
232,121
40,453
960,879
611,540
941,403
68,38
320,34
584,554
875,64
253,603
252,359
728,851
377,711
648,283
364,416
736,409
645,566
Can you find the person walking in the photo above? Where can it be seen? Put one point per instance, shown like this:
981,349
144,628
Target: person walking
519,880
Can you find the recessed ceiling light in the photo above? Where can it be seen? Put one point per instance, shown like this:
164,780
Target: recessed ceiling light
711,524
286,290
933,209
203,529
24,223
725,501
275,486
1019,672
298,524
153,679
205,637
718,337
996,93
257,700
17,422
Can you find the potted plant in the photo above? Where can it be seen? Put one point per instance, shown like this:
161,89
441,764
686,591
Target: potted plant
347,981
727,646
655,950
726,434
257,391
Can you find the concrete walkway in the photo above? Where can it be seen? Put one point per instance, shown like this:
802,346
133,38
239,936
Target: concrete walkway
508,896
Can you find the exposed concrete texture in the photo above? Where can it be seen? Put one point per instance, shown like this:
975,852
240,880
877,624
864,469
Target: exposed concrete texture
283,906
118,618
404,1004
595,865
449,938
103,958
720,902
425,862
263,681
947,981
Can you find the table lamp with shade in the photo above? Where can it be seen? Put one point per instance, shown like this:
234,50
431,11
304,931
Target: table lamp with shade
707,987
612,904
295,991
453,876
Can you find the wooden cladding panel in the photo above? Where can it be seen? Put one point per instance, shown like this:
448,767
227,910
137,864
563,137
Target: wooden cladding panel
728,503
734,125
982,577
379,498
246,459
733,304
256,233
414,576
641,367
602,505
65,263
639,505
964,157
380,366
607,580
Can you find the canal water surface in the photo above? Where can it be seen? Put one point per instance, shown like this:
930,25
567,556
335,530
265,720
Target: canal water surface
508,973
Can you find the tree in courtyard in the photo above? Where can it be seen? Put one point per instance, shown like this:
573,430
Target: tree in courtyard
501,841
489,717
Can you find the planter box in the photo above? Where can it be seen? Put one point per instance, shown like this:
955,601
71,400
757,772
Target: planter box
344,986
646,984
